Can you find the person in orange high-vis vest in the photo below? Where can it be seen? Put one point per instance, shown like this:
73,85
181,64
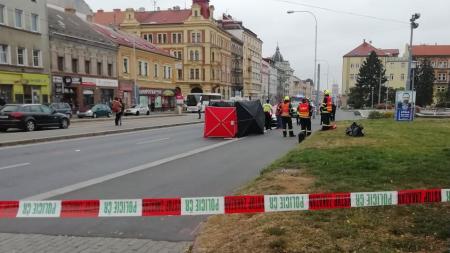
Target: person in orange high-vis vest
326,110
304,112
286,119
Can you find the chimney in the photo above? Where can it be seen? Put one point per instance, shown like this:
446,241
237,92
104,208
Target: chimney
116,10
141,9
89,18
100,11
70,10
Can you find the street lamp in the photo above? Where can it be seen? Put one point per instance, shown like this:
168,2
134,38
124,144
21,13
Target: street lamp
372,88
315,51
414,25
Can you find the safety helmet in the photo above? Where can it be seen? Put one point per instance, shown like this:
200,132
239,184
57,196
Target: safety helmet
287,98
326,92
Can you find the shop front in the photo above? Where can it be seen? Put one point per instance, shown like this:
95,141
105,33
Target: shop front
24,88
126,91
66,89
158,100
99,91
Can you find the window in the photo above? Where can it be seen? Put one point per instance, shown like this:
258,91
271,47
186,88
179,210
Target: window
2,14
34,22
110,69
195,74
148,37
19,18
196,38
440,89
442,77
392,77
176,38
402,77
21,56
179,55
156,71
99,68
352,77
87,67
143,68
197,55
125,65
167,72
4,54
140,68
351,66
74,65
162,38
195,13
180,74
60,63
37,58
212,56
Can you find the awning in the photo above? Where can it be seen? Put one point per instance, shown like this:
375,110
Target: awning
168,93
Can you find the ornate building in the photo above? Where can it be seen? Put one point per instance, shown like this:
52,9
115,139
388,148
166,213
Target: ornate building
285,73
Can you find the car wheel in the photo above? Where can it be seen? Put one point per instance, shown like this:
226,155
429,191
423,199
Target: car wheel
3,129
30,126
94,115
109,115
137,113
64,124
148,112
70,116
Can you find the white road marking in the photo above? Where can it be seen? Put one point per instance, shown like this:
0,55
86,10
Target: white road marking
152,141
77,150
94,181
14,166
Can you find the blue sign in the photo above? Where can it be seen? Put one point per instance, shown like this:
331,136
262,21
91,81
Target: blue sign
405,106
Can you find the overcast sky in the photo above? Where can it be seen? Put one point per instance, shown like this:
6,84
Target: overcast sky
338,32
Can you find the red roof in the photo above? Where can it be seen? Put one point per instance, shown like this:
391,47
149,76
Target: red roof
143,17
431,50
365,49
128,40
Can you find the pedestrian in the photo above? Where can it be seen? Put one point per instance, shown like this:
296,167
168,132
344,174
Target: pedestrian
305,112
117,109
267,112
199,109
122,110
333,112
286,117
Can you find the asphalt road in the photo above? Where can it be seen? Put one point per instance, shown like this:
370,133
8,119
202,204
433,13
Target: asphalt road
213,171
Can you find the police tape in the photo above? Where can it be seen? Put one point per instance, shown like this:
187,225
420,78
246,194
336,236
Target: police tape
216,205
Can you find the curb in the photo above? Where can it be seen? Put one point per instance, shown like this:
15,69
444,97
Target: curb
110,132
76,120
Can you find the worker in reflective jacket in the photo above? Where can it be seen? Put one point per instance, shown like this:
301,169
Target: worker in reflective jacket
326,110
268,113
304,112
286,118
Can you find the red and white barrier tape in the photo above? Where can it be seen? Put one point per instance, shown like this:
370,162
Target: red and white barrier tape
215,205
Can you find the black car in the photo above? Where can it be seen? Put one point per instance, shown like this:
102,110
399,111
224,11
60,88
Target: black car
30,117
63,108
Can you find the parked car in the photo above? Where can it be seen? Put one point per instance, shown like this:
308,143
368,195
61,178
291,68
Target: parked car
99,110
138,110
30,117
62,108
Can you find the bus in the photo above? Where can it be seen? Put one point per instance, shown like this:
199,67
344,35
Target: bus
193,99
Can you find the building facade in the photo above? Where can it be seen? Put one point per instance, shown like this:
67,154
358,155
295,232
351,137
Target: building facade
192,35
285,73
83,62
265,80
237,73
24,52
396,67
252,56
146,73
439,56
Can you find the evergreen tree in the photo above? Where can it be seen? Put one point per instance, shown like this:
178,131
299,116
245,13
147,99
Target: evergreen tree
369,76
423,83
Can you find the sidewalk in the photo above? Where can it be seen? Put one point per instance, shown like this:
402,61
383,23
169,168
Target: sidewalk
75,119
15,243
96,128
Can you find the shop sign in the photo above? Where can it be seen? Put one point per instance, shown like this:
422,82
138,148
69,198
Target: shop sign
67,80
35,79
57,79
76,80
168,93
150,92
107,83
87,81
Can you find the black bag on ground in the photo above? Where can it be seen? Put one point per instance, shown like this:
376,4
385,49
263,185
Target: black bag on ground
301,137
355,130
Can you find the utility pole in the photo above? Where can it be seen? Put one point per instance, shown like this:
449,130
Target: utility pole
372,88
414,25
318,88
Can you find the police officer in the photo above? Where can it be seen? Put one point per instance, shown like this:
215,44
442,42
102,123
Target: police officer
268,113
305,112
286,118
